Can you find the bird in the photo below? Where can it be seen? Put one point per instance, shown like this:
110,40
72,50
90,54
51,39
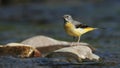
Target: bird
75,28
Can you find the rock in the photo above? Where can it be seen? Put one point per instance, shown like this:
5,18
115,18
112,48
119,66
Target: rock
43,41
46,44
20,50
74,54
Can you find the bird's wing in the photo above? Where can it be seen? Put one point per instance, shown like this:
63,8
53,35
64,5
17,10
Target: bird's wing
80,25
76,22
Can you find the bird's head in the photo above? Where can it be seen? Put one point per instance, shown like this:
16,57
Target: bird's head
68,18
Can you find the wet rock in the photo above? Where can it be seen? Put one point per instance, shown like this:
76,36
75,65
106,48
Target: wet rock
46,44
43,41
74,54
20,50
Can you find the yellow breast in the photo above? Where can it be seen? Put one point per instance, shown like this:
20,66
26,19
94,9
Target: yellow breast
71,30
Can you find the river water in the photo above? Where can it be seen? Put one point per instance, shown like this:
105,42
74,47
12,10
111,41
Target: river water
47,20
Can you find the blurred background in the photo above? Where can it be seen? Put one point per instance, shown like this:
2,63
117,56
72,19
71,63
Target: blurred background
21,19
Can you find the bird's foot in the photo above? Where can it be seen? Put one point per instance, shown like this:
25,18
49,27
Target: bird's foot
74,44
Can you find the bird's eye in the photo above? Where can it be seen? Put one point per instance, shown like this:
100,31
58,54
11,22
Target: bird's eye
67,16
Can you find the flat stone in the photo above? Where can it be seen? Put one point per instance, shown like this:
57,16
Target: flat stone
74,54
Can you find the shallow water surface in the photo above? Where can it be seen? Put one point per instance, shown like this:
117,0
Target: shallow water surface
46,20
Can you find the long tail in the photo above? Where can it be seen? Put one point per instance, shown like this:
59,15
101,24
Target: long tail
89,29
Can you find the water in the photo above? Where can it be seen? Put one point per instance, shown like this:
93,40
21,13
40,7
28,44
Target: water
17,26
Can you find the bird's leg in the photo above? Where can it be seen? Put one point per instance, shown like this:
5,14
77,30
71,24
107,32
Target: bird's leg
78,40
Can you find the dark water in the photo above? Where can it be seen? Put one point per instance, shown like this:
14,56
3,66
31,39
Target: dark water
20,22
11,62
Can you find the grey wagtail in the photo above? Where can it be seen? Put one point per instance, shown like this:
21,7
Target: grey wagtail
75,28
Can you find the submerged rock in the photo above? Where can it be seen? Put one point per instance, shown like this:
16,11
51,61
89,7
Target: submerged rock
74,54
20,50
